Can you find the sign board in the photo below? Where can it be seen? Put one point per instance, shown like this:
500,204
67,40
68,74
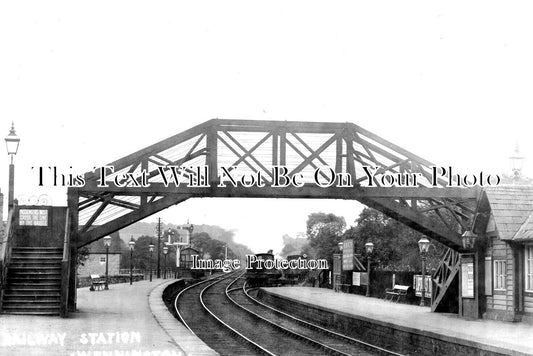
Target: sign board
364,279
488,275
356,278
417,285
180,238
33,217
347,255
467,277
337,263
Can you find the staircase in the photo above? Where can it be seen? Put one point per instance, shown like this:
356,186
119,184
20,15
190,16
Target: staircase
33,283
445,281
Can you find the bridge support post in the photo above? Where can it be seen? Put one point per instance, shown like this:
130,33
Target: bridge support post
72,283
72,201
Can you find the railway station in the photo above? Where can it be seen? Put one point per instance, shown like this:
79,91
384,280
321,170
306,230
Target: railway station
481,299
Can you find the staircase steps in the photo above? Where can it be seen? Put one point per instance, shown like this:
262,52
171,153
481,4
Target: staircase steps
33,281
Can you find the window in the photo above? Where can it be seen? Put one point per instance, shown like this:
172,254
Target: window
499,275
529,268
102,259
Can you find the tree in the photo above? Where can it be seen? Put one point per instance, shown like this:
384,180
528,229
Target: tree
293,245
212,247
395,244
324,232
141,253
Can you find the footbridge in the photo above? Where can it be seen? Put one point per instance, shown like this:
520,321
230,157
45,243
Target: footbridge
271,159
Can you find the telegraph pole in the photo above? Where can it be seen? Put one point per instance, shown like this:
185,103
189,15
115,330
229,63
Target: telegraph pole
158,247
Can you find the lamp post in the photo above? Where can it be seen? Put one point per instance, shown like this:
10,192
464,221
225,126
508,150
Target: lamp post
158,235
517,160
171,233
132,245
369,247
340,245
151,248
107,243
423,246
165,252
12,145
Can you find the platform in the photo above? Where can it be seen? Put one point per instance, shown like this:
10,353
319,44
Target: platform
417,324
117,321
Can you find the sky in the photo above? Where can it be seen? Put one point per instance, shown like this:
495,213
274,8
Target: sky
89,82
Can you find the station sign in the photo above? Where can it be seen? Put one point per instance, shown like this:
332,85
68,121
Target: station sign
347,255
33,217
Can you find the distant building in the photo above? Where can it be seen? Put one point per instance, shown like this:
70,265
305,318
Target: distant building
96,262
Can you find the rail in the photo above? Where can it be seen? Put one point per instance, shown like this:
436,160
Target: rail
65,268
5,254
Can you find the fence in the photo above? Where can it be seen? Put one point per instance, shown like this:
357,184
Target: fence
381,280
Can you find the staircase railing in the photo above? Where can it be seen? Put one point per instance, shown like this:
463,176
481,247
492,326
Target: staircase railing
5,254
65,269
444,276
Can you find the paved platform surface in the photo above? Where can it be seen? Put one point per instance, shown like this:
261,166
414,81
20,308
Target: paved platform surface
119,319
189,342
517,338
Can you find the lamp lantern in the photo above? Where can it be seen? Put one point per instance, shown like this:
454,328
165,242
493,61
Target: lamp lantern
131,244
423,245
12,142
469,239
369,248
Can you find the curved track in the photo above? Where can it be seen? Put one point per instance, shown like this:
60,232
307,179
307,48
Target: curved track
221,312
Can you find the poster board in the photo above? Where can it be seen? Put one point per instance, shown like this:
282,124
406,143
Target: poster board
467,277
417,285
356,278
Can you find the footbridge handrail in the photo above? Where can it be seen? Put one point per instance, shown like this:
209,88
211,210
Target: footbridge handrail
65,268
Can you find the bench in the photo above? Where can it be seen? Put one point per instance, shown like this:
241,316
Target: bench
97,282
396,292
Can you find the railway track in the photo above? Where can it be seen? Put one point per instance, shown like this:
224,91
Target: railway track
228,319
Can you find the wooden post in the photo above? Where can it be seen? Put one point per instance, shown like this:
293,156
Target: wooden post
72,201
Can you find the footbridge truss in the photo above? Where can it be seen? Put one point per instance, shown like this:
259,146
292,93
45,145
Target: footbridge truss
274,159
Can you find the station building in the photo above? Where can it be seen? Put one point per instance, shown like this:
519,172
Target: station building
507,251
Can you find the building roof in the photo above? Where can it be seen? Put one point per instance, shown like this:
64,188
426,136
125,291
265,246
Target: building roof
526,231
98,245
512,209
